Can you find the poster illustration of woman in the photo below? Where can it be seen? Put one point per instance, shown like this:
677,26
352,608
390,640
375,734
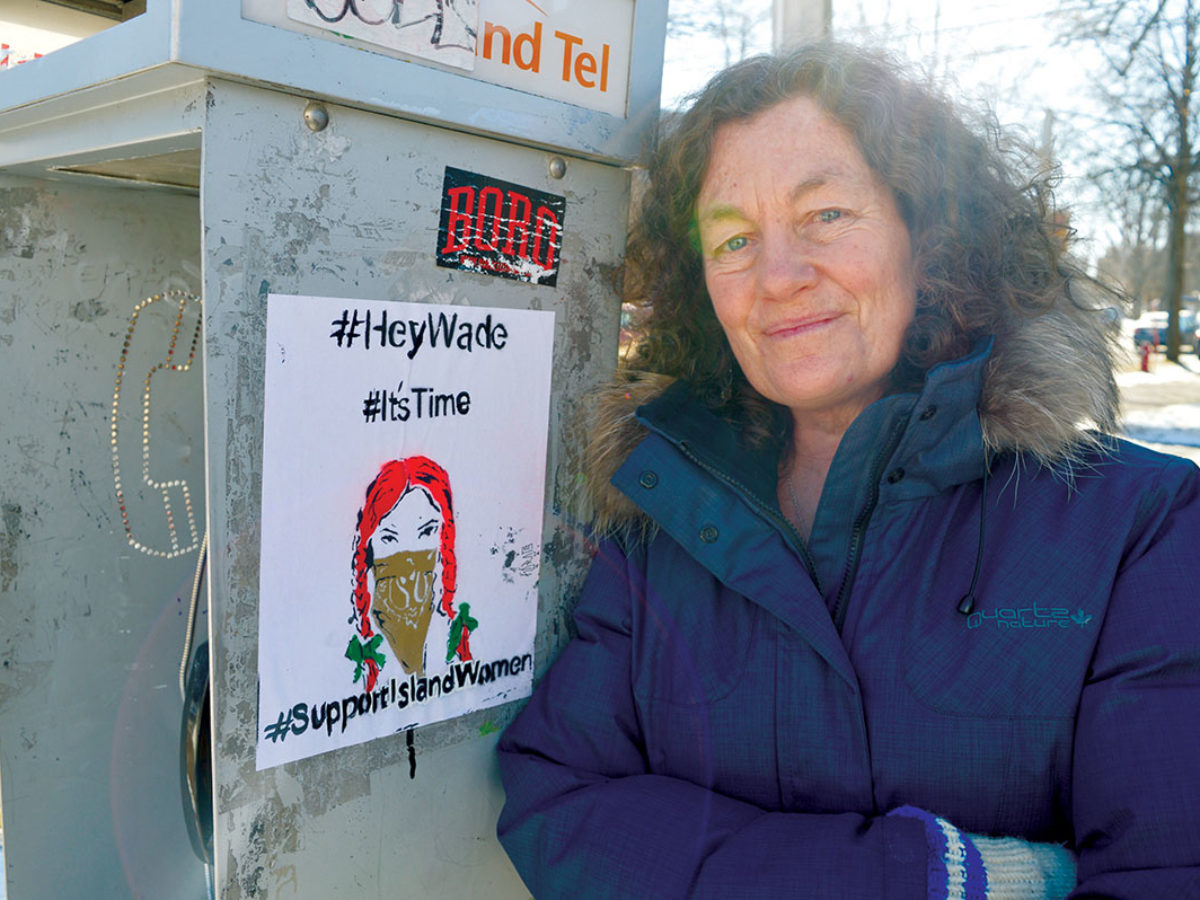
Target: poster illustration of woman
405,569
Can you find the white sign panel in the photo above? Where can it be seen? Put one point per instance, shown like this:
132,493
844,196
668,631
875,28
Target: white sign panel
577,51
572,51
404,454
434,29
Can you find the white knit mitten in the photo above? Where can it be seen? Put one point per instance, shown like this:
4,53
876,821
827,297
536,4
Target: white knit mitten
1017,869
964,866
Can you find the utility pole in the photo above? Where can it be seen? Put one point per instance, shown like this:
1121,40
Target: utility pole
799,21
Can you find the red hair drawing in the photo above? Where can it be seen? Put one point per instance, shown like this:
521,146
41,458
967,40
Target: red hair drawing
405,538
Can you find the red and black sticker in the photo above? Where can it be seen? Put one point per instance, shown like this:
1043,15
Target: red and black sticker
499,228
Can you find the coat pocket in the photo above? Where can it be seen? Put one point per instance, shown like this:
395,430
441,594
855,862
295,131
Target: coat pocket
1025,660
692,648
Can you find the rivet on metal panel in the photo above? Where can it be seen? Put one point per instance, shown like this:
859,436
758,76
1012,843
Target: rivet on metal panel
558,167
316,116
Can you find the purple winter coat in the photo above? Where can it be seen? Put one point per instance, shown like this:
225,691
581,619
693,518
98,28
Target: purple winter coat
739,711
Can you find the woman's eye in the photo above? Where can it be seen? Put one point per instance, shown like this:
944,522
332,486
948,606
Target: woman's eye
829,215
733,244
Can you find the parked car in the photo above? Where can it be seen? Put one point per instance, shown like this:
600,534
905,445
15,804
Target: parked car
1151,329
1147,328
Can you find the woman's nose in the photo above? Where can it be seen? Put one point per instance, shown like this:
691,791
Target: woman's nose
785,265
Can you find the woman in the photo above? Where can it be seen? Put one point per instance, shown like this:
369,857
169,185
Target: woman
878,616
405,529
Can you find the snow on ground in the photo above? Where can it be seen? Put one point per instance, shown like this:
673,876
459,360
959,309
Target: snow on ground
1161,372
1176,424
1171,427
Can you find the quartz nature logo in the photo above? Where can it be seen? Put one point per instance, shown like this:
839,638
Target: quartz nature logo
1029,617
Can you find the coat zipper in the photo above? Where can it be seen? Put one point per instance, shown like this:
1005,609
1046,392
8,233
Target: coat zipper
859,529
786,528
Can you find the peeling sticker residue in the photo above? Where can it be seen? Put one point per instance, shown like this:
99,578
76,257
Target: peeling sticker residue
26,227
10,513
88,310
317,150
518,558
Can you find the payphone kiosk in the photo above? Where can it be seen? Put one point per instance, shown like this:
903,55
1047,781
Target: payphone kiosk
297,298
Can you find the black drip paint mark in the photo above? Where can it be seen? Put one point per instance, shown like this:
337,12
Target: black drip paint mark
412,755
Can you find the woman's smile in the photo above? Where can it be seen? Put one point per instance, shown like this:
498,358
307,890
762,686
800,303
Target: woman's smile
801,327
807,261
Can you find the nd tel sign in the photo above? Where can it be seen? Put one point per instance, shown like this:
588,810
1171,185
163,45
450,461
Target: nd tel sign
575,51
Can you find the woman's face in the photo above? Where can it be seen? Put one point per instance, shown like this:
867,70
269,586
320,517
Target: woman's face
414,523
807,261
405,553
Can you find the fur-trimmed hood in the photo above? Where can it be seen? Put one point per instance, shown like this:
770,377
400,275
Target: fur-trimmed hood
1048,394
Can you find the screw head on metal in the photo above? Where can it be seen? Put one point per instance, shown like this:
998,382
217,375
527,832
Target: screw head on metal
558,167
316,116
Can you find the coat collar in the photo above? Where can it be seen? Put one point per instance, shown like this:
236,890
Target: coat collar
921,443
1033,392
938,439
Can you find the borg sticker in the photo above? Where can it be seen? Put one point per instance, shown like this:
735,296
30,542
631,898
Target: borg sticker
500,228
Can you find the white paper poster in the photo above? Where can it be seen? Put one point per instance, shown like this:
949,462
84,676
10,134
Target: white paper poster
404,455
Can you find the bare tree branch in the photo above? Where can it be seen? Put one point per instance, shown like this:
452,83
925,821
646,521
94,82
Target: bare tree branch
1150,48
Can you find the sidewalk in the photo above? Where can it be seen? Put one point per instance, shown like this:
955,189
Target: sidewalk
1161,408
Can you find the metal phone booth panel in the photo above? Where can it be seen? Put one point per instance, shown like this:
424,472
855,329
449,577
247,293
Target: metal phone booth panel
240,241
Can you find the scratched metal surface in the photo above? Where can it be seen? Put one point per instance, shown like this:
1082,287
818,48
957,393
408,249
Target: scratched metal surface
353,211
91,615
177,39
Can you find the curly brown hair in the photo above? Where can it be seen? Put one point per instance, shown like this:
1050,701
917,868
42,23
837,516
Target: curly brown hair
985,248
